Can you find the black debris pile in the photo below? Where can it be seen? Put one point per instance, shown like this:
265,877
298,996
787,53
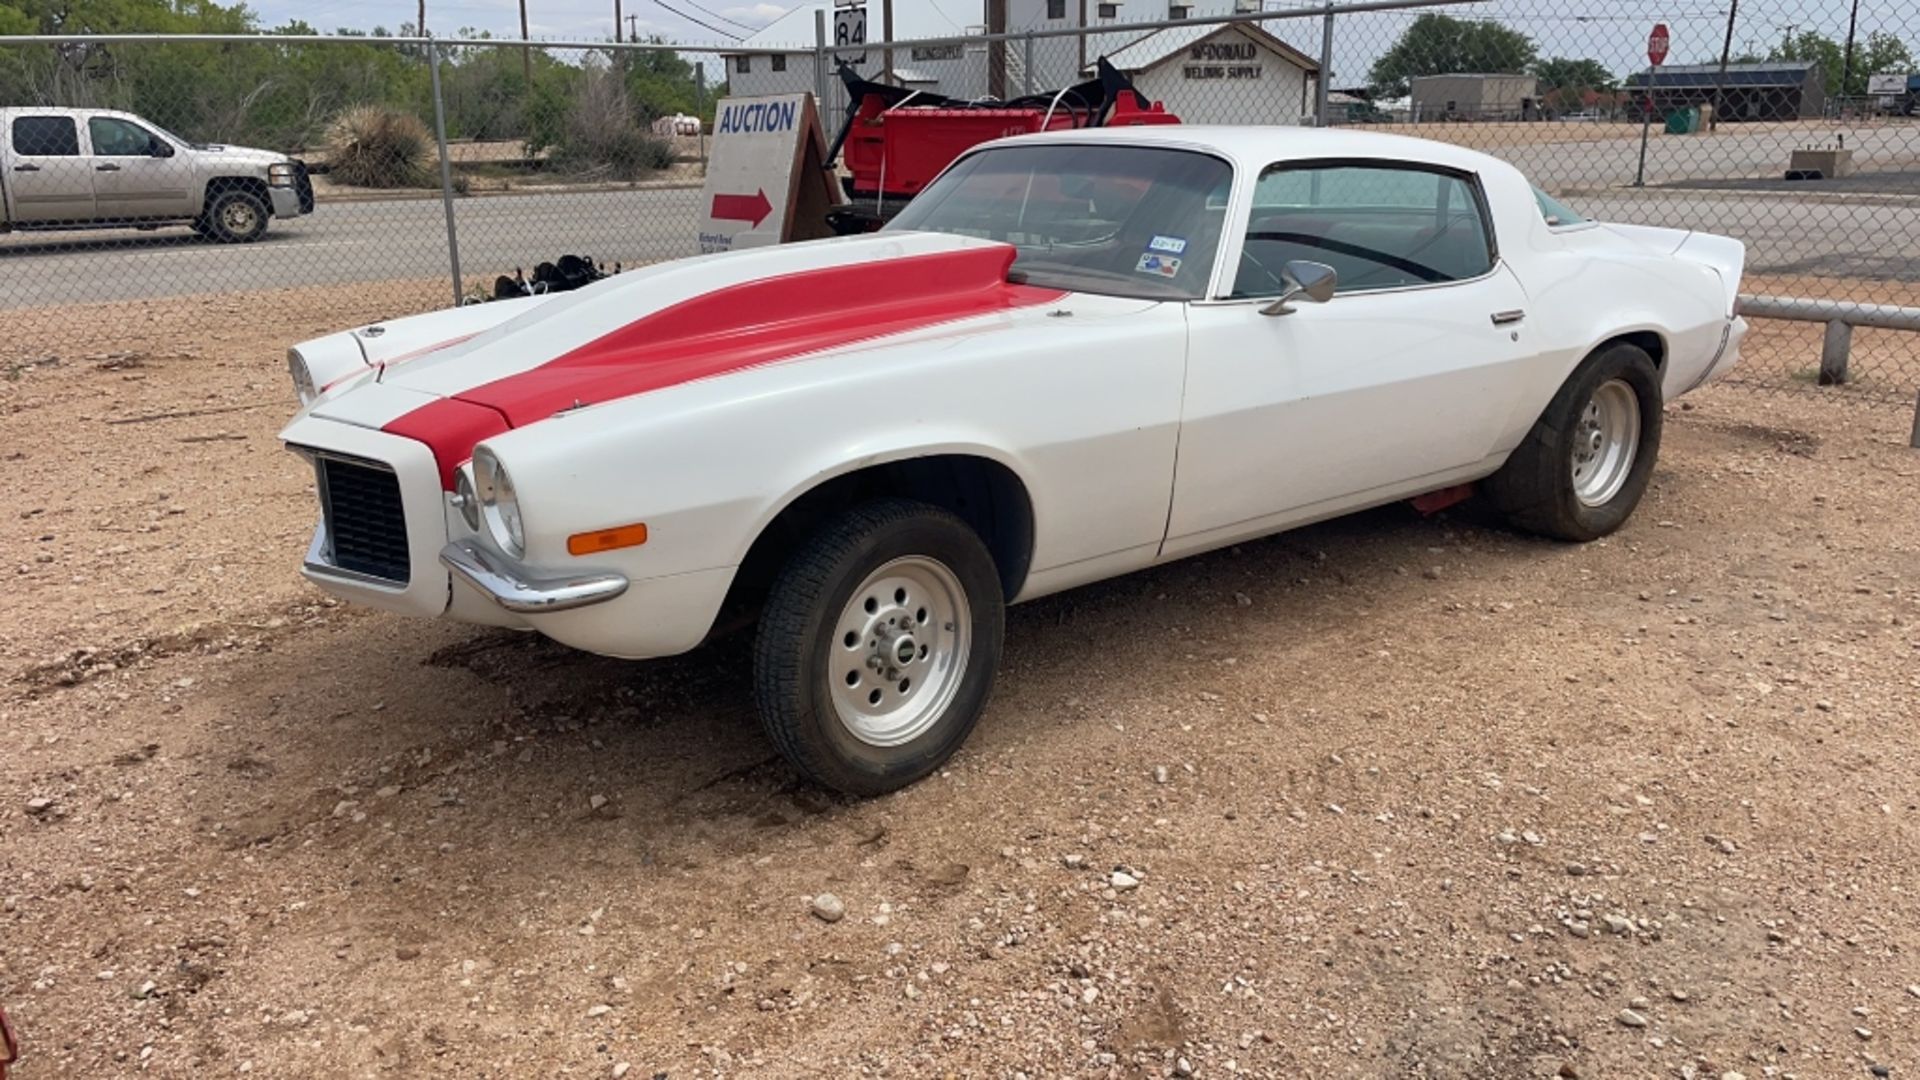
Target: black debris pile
564,274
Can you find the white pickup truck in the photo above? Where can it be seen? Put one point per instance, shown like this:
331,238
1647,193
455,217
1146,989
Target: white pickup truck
99,169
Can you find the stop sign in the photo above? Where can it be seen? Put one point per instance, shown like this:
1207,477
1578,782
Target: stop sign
1657,44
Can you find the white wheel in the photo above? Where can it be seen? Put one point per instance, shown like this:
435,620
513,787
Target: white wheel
903,643
1605,442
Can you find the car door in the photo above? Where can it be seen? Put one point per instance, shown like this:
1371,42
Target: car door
1402,382
136,173
47,176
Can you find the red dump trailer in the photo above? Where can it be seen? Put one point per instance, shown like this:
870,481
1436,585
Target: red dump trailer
896,140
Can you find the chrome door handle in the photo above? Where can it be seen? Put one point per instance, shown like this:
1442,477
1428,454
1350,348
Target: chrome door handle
1502,318
106,168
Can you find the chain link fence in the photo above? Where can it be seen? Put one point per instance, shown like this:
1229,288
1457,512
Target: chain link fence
414,162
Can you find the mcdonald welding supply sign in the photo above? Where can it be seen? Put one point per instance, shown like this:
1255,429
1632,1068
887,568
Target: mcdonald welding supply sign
1222,60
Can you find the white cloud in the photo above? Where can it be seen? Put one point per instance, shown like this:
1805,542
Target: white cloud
754,14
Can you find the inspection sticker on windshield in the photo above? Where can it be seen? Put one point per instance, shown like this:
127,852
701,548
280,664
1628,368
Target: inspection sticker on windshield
1172,245
1161,265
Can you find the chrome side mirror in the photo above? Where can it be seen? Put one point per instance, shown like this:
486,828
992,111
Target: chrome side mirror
1305,280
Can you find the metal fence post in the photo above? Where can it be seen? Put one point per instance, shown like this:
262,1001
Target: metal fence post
446,170
700,108
1326,68
820,61
1834,351
1026,63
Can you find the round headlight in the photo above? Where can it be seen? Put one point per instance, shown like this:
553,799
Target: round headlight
303,386
498,503
467,499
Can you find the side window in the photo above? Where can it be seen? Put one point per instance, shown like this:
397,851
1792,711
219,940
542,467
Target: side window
1379,226
113,137
46,136
743,64
1554,210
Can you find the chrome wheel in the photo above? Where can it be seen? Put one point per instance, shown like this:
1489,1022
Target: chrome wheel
1605,442
899,651
239,217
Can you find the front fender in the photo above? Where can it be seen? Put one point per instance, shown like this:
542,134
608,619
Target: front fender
885,448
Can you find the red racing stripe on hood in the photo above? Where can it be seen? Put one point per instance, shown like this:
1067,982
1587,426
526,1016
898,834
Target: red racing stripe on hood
741,326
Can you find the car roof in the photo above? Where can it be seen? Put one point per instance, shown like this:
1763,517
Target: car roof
1255,146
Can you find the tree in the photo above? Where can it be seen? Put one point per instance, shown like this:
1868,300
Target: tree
1440,45
1814,47
1883,54
1572,77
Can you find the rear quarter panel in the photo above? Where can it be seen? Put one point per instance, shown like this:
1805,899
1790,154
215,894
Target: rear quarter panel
1590,283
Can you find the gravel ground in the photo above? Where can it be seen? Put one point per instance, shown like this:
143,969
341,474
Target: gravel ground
1389,796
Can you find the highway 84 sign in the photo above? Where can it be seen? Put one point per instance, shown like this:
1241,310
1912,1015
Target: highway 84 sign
849,32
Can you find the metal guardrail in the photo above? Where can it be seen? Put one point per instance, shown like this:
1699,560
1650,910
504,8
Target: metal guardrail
1840,317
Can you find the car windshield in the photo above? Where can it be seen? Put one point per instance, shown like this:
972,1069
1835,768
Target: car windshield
1130,221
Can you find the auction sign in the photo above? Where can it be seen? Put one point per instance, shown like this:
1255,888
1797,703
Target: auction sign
766,176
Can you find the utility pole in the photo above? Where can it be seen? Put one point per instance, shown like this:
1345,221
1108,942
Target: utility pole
633,34
526,54
1846,65
617,20
420,24
1726,52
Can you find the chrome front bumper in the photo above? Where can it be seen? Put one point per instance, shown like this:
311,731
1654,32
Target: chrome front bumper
505,584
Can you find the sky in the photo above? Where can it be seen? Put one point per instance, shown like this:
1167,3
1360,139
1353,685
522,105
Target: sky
1614,32
552,19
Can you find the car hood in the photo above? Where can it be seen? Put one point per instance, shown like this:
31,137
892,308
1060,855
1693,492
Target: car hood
699,318
241,155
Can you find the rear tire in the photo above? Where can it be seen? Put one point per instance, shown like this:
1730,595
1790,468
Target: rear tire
235,216
1585,464
878,646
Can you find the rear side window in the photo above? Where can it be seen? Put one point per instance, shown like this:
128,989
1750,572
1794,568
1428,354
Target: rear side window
1378,226
46,136
1554,210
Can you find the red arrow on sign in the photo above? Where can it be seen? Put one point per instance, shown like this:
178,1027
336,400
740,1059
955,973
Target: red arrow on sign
1657,44
752,208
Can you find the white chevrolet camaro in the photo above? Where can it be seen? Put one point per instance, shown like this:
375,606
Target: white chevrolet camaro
1073,356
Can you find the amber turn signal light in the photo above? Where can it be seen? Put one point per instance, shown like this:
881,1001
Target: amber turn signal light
592,543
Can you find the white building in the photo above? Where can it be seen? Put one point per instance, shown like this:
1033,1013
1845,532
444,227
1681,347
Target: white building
954,70
1222,74
1242,73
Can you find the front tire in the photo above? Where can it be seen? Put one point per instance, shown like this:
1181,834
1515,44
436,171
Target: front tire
1585,464
878,646
235,217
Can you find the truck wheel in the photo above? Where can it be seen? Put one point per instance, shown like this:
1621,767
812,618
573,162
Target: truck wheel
236,217
878,646
1583,467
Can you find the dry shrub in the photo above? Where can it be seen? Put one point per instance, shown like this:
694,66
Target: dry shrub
602,136
378,147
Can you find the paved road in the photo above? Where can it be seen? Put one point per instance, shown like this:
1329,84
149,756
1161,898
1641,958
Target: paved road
1787,231
349,242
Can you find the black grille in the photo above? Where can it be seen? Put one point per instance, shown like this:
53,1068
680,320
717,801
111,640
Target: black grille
365,520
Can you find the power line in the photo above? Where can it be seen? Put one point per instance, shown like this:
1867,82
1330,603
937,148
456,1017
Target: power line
709,11
697,22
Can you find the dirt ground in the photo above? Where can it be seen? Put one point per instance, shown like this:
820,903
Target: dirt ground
1395,796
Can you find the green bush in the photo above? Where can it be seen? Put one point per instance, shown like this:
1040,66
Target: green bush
378,147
